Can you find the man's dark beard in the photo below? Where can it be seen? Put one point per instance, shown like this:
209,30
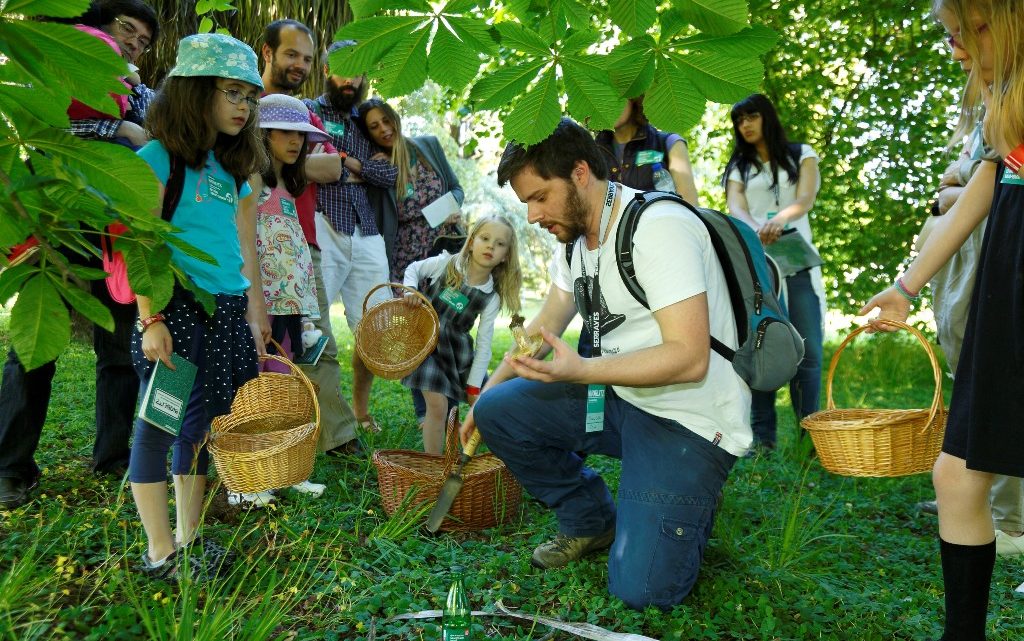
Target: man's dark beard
340,100
279,75
576,215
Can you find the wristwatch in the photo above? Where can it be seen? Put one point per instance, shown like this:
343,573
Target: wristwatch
142,324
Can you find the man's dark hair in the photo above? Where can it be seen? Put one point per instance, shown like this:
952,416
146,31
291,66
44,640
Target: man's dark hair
555,156
272,33
102,12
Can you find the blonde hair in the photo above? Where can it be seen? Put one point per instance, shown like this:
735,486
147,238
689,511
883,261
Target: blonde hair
1005,21
508,279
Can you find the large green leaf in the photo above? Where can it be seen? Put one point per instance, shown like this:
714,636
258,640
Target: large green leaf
673,102
536,114
577,15
720,17
113,170
578,41
12,278
404,68
452,62
40,324
498,89
459,6
590,100
375,37
634,17
722,78
516,36
51,8
475,33
38,102
62,58
631,66
749,43
85,303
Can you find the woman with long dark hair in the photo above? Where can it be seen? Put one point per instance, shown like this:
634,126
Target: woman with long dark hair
771,185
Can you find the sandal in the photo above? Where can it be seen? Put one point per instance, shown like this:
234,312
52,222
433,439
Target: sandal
368,424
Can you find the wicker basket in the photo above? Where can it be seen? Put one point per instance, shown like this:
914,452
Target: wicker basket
269,438
393,338
879,442
490,495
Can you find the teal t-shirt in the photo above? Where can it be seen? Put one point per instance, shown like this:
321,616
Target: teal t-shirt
206,217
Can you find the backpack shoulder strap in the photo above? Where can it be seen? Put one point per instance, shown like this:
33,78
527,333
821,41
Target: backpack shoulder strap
173,187
627,270
796,149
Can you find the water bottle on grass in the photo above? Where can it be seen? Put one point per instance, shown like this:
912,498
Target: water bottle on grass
456,617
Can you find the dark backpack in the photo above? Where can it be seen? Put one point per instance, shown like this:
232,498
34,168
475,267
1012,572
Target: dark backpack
770,348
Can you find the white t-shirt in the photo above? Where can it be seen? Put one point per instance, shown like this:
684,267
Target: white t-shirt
762,199
435,267
674,261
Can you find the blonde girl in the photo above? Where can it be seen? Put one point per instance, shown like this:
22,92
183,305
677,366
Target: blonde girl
475,283
203,122
984,433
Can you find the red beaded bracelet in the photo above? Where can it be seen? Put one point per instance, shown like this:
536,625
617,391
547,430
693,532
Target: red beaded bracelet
1015,159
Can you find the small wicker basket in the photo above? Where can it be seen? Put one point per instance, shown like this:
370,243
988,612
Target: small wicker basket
879,442
490,495
269,438
393,338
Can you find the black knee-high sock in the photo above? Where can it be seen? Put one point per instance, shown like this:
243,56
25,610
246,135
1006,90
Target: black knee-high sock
966,575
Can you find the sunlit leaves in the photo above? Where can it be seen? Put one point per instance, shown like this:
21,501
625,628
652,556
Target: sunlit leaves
673,100
634,17
721,78
40,323
537,113
631,66
500,88
720,17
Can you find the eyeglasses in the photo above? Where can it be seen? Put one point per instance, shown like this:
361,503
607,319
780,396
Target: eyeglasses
131,31
236,97
750,117
954,41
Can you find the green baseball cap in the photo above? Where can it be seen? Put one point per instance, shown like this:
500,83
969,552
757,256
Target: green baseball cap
217,55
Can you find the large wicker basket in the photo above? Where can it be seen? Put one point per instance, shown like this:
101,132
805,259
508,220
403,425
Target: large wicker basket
490,495
879,442
269,438
393,337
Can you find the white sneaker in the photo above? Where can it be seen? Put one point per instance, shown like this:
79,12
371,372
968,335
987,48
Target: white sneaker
1007,545
246,499
315,490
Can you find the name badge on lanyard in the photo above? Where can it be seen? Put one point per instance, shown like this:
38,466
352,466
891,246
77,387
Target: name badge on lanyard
595,392
455,299
220,190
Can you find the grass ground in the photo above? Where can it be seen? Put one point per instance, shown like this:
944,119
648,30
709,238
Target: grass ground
797,553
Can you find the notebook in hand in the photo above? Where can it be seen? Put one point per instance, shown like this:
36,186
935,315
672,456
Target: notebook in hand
166,397
311,356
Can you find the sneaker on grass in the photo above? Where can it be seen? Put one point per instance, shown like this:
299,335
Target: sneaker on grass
561,550
251,499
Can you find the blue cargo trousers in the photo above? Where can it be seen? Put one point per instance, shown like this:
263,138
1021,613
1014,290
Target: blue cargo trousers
668,490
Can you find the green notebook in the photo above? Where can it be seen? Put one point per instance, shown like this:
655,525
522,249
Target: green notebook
312,355
166,398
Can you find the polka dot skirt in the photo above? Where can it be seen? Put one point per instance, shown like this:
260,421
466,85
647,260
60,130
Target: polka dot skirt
226,354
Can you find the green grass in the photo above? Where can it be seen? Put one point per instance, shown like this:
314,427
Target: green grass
797,553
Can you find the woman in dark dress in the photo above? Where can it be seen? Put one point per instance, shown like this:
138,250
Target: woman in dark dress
984,431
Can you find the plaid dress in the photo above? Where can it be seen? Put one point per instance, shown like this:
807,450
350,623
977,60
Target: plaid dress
446,369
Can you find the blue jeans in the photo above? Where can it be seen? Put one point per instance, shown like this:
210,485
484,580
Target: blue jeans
668,490
805,388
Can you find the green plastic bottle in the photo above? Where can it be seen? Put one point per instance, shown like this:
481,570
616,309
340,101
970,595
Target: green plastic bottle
456,618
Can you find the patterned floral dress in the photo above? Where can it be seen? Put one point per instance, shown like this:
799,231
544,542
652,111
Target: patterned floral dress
286,268
415,236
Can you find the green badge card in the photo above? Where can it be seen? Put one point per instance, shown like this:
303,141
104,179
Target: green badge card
335,128
455,299
288,208
595,408
648,157
1011,178
221,190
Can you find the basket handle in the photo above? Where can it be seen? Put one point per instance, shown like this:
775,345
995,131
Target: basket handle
936,406
452,450
298,372
369,294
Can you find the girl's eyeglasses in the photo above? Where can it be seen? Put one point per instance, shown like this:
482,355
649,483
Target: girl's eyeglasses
751,117
131,31
236,97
